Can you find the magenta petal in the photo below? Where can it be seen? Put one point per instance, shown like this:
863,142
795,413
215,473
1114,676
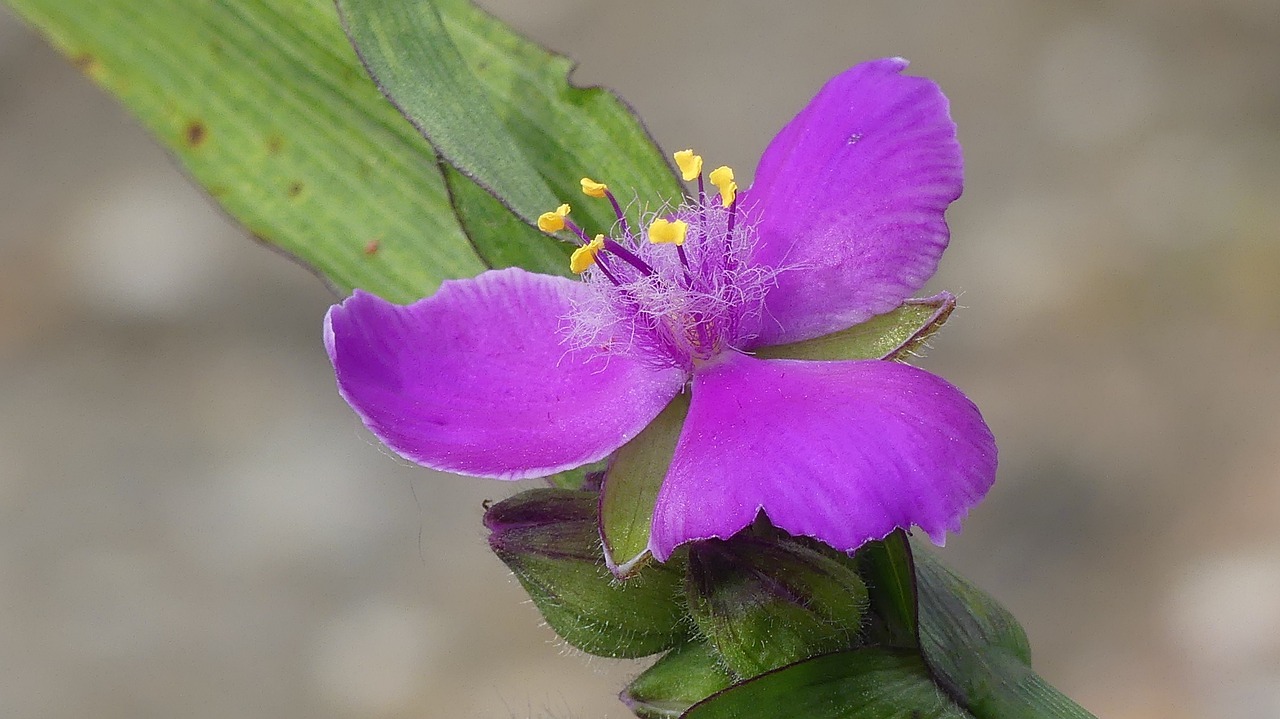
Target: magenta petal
475,379
850,195
844,452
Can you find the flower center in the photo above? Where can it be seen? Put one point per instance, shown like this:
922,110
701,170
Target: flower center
681,293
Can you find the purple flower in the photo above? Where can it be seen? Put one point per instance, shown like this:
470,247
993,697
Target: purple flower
512,374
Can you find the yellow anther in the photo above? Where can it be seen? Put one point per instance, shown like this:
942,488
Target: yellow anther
591,188
550,222
664,232
585,256
722,178
690,164
553,221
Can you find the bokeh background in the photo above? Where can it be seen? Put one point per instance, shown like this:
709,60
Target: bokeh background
193,524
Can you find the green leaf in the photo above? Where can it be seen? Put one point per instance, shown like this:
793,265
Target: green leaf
548,538
500,109
859,684
892,335
764,602
631,487
683,677
978,651
266,106
499,236
411,56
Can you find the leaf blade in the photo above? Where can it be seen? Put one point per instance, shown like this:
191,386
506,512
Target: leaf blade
264,105
979,652
499,236
520,105
416,64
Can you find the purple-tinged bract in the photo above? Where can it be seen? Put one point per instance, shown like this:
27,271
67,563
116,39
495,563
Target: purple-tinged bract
514,374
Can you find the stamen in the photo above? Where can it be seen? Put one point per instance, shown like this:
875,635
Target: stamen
676,312
690,164
553,221
722,178
588,253
627,256
671,232
617,212
667,232
591,188
581,233
585,256
702,206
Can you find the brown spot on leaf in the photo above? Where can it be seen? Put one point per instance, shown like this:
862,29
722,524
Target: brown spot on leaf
196,133
371,247
275,143
295,189
85,62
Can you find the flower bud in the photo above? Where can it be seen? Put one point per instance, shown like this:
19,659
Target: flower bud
550,541
764,603
683,677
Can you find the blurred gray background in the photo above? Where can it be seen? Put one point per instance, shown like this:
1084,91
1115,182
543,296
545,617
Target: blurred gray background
193,524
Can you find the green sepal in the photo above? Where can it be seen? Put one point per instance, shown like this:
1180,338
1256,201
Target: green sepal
548,538
681,678
868,683
631,485
887,568
587,477
764,602
893,335
978,651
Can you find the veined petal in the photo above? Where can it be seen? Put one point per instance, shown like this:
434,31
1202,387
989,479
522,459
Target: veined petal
476,379
844,452
850,196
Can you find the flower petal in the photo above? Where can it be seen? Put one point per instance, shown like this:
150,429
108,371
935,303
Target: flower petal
475,379
850,196
844,452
